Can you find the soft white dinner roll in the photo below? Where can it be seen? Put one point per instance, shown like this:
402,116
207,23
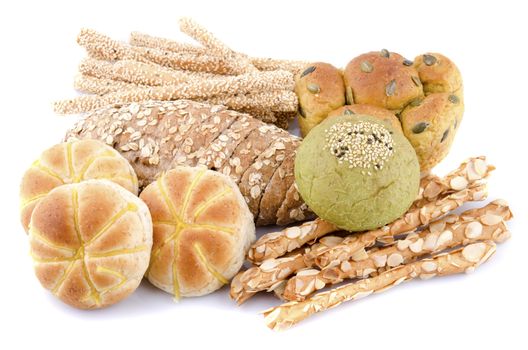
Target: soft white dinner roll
202,230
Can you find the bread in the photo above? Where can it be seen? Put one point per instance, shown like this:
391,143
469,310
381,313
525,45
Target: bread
70,163
357,172
373,111
382,79
90,243
430,125
320,89
438,74
202,230
157,136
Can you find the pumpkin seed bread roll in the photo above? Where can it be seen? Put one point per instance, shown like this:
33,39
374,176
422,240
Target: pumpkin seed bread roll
438,74
430,126
373,111
320,89
90,243
202,230
384,79
72,162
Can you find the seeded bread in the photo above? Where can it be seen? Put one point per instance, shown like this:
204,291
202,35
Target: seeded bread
438,74
430,125
374,111
320,89
156,136
383,79
293,208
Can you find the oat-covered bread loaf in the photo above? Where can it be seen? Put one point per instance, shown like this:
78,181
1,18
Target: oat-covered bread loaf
373,111
382,78
90,243
320,89
202,230
156,136
72,162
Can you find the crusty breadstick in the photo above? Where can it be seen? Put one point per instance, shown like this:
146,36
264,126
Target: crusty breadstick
275,244
267,64
462,260
410,221
244,83
276,100
486,223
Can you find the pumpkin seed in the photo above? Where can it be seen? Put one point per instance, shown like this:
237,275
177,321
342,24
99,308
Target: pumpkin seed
348,112
307,71
390,89
456,124
453,99
385,53
313,88
416,80
420,127
416,102
444,136
366,67
407,62
429,59
301,112
349,95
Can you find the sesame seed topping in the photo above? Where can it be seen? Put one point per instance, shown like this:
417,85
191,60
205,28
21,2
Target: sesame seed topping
362,145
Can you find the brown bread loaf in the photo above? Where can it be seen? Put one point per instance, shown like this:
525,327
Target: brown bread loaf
156,136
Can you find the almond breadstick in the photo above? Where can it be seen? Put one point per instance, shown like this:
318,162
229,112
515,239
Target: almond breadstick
410,221
275,244
465,259
486,223
101,86
194,89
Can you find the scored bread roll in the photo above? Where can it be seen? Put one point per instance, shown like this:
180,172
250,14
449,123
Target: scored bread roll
156,136
71,162
202,230
90,243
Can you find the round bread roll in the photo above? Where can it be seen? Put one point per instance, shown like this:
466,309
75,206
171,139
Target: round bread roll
378,112
357,172
438,74
202,230
382,79
90,243
430,125
72,162
320,89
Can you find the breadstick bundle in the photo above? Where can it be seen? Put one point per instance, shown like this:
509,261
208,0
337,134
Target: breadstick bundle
151,68
427,241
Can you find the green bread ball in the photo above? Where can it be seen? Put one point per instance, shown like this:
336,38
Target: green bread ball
357,172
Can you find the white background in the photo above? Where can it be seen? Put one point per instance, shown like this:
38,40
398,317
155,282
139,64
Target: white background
487,40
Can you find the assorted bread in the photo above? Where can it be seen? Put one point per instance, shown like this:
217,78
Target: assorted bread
186,127
389,81
156,136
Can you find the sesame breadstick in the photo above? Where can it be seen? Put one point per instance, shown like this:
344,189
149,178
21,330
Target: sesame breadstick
244,83
461,260
486,223
267,64
213,44
410,221
100,86
138,72
145,40
275,244
102,47
276,100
